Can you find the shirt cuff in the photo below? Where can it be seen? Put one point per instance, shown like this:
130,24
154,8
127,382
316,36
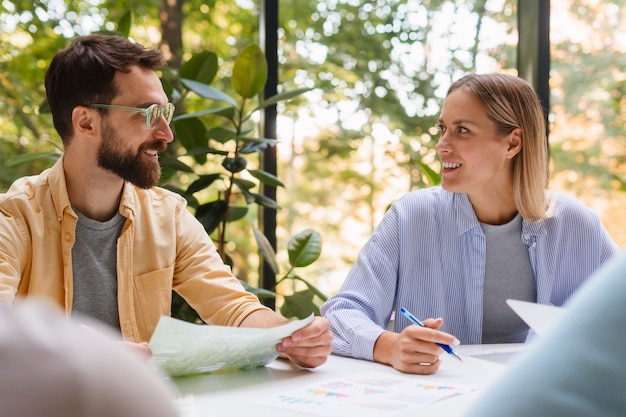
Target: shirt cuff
363,345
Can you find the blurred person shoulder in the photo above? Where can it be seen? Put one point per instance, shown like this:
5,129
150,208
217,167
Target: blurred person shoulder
53,367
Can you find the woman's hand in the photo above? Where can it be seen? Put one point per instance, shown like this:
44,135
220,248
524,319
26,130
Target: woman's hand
415,349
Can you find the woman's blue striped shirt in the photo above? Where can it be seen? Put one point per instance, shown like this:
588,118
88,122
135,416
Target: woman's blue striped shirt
428,255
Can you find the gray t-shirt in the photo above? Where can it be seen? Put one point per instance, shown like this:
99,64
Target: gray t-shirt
94,265
508,274
577,368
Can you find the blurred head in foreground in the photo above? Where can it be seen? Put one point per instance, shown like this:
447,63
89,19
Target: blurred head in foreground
52,367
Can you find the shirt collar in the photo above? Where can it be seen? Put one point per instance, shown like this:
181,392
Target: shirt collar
466,217
61,200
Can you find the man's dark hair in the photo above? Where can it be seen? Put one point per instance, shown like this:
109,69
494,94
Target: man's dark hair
83,73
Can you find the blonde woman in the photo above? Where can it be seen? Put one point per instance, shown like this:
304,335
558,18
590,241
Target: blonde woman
453,254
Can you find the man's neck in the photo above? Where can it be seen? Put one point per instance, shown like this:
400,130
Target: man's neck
93,191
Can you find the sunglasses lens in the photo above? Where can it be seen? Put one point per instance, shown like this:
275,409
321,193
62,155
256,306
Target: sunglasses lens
168,112
153,115
154,112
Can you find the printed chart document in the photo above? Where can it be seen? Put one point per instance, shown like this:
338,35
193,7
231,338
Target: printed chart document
183,348
369,394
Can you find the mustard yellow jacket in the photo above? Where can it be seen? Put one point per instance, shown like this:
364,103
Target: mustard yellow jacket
162,247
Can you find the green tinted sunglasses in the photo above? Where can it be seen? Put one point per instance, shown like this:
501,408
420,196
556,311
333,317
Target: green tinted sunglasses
152,113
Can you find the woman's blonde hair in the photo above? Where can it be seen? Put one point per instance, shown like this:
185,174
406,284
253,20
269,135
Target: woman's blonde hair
511,103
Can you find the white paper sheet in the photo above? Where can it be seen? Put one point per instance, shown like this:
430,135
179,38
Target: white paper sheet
540,317
182,348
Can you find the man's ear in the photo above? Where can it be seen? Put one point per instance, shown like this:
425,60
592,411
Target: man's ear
515,142
85,120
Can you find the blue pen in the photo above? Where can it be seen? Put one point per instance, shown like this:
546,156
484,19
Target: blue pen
416,321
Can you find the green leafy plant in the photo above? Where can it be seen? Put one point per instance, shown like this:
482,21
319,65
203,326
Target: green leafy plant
219,137
303,249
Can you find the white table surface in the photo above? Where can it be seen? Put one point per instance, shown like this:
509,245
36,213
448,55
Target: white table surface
234,394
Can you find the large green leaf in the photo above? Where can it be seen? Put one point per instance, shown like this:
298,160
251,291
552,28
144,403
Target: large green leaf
266,178
227,112
237,212
202,182
201,67
300,305
191,133
220,134
27,157
211,214
249,72
250,139
259,292
251,145
191,200
125,23
206,91
265,201
304,248
311,287
243,184
282,97
203,150
266,250
244,188
432,177
168,161
249,148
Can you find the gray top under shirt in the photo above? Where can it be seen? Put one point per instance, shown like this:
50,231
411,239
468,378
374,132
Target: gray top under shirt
94,265
508,274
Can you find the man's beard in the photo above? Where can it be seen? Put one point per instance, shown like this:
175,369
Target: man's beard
134,168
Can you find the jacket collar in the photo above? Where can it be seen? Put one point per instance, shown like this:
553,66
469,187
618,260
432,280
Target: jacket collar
58,189
61,200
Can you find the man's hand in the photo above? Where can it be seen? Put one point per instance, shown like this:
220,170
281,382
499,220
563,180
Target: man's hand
310,346
415,349
140,349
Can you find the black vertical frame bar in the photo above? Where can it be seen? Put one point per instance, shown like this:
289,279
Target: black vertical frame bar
269,42
533,48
